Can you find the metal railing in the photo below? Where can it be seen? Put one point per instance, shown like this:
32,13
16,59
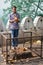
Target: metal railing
5,39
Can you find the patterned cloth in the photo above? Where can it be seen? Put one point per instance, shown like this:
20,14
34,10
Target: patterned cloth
14,25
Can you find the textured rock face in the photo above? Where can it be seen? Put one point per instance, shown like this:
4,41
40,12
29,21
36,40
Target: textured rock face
38,24
2,26
26,25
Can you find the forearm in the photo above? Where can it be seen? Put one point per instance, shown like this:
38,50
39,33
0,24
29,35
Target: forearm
11,21
17,20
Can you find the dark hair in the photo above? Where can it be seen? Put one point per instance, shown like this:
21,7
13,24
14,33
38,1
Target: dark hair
14,7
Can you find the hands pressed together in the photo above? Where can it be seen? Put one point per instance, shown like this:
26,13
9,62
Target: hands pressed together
14,20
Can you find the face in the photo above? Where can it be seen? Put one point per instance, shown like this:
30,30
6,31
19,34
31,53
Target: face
14,10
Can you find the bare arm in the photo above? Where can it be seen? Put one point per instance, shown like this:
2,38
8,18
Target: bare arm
16,19
11,21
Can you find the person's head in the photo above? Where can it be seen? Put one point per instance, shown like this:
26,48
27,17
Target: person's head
14,9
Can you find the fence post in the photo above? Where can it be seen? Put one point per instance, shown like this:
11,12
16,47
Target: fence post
41,48
6,51
10,40
2,43
31,42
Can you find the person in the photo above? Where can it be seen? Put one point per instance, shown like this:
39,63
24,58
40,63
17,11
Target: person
14,19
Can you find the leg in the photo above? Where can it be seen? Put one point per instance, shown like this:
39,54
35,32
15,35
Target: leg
12,36
16,35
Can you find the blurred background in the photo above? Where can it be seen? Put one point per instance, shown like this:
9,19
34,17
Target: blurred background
32,8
